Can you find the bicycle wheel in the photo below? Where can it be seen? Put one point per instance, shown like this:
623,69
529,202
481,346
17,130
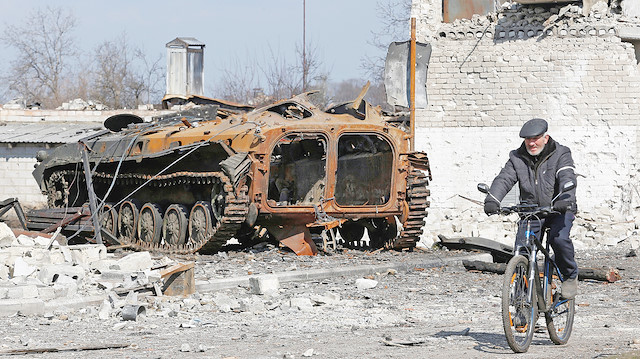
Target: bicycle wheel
519,313
559,316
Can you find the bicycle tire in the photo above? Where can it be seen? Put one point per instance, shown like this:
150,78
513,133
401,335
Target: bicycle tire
559,316
519,315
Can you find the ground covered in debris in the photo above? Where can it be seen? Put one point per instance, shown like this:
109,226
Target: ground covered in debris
435,312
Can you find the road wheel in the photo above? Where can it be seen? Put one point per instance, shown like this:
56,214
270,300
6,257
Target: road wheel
150,223
174,225
128,219
201,222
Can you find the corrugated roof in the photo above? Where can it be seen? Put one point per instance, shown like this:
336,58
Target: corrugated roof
48,132
188,41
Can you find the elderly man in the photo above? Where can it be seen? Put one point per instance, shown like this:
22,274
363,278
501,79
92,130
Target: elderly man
541,166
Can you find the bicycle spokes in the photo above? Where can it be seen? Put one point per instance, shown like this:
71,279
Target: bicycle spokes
519,306
559,317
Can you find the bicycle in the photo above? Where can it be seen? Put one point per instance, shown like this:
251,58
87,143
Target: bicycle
521,301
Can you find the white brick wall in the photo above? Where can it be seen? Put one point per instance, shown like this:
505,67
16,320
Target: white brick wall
462,157
482,87
16,165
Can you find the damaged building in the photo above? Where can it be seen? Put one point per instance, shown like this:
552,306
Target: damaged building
574,63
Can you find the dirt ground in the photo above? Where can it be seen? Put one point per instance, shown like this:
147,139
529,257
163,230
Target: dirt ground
441,312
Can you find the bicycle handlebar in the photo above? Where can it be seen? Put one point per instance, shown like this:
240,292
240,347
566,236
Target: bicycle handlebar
528,210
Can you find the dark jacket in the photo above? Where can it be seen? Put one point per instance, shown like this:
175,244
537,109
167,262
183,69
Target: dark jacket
539,177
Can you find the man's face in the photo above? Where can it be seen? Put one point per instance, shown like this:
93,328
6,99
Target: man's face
536,144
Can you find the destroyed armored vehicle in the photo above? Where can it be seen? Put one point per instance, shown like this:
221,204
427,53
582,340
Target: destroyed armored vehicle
193,180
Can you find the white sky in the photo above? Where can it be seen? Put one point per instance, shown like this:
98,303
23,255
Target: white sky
230,29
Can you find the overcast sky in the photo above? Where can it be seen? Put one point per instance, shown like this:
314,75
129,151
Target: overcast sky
230,29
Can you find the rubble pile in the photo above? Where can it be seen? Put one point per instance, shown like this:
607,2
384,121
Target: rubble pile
515,20
38,275
82,105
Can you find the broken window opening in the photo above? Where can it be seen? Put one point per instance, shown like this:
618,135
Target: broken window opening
365,165
297,170
291,111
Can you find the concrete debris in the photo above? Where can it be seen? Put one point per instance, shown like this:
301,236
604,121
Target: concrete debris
135,262
82,105
514,21
264,284
364,283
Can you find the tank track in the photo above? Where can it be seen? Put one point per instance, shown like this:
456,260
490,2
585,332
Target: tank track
418,202
235,210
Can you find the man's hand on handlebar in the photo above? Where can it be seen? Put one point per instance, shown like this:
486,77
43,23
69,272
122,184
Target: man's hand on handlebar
561,206
491,207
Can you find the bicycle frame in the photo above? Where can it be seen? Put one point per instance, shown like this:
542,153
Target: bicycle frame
532,246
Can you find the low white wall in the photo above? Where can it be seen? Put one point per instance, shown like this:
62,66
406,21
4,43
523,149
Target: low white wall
462,157
16,164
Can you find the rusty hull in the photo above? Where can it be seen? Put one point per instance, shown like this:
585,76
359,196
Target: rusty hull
269,135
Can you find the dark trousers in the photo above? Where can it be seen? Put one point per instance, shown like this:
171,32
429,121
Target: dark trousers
559,227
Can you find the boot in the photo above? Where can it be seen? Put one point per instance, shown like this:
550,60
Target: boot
569,288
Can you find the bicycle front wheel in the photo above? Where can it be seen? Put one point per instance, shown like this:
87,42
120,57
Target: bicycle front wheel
559,316
519,312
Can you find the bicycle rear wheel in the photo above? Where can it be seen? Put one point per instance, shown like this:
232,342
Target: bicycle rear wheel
519,313
559,316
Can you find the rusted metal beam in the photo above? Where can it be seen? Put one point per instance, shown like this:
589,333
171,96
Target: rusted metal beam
92,195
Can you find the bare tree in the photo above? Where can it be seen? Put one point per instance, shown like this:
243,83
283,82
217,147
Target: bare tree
269,79
123,77
153,75
395,19
283,79
348,90
240,82
45,49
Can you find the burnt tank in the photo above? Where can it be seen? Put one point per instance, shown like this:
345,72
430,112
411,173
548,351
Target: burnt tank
192,180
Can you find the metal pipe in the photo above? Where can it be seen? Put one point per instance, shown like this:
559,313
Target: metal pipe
95,217
304,45
412,84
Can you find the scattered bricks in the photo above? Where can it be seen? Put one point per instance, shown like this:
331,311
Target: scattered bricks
4,291
52,273
264,284
9,307
25,241
225,303
22,269
105,310
66,252
4,272
114,275
104,265
47,293
301,303
6,235
364,283
41,257
85,254
22,292
135,262
65,290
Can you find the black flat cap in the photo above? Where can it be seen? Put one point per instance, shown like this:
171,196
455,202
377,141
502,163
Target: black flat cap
533,128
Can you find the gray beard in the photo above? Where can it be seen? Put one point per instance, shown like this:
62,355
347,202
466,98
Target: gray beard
539,152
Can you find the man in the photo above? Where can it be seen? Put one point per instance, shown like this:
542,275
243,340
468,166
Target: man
540,167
